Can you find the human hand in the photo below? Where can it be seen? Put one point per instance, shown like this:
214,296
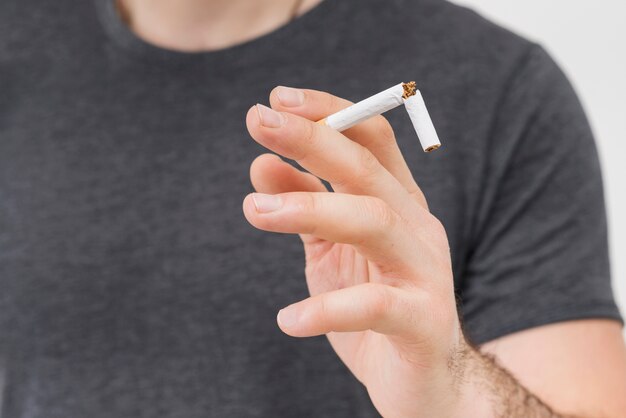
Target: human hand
378,264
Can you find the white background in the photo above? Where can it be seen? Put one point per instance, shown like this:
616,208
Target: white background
588,39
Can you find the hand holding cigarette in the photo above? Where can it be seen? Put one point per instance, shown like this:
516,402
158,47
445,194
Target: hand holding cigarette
378,263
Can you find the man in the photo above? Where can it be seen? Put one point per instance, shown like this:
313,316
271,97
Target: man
132,286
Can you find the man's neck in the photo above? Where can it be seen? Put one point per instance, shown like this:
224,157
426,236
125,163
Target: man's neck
204,25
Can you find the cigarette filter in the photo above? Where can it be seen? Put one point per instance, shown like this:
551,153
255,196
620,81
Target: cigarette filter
423,124
403,93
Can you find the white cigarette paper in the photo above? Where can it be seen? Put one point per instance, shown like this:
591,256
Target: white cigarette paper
403,93
365,109
423,124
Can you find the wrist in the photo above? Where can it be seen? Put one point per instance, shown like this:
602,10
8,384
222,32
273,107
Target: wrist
474,395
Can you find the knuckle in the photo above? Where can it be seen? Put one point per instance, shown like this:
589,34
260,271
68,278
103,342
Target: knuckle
436,226
322,311
367,164
363,171
438,231
306,204
380,301
310,134
385,131
309,140
383,216
419,197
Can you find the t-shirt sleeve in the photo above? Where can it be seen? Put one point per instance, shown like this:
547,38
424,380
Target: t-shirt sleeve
540,251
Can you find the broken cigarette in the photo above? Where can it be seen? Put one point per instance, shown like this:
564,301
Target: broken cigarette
403,93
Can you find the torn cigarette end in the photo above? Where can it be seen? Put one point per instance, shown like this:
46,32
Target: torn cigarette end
432,148
410,89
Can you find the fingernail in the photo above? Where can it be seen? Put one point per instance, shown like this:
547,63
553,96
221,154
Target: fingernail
269,117
265,203
290,97
287,317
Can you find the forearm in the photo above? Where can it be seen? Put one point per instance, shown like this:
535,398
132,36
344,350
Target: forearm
490,391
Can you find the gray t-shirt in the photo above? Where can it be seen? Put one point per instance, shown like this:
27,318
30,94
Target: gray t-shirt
131,284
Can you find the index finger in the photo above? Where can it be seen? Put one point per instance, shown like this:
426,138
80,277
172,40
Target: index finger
376,134
328,154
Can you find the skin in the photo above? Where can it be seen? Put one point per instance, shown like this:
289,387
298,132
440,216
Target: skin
379,272
377,261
